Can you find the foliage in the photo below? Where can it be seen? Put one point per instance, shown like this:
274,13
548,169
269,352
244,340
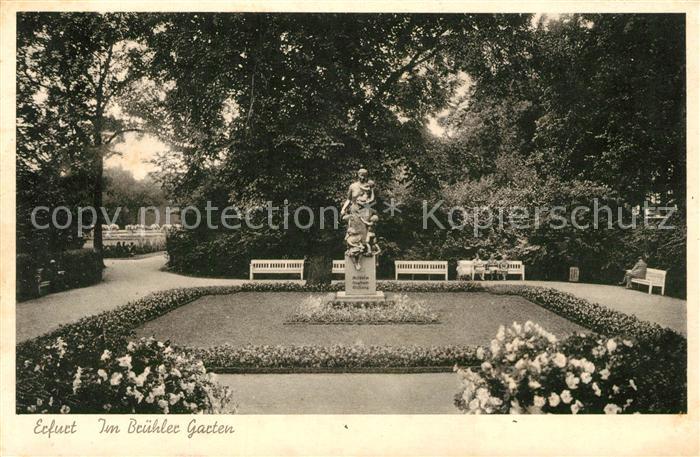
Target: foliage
397,310
66,270
665,249
664,386
526,370
582,119
148,377
72,68
122,190
593,316
224,254
291,105
585,106
83,267
118,251
26,268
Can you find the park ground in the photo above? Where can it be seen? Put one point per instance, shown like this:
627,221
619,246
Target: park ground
127,280
429,393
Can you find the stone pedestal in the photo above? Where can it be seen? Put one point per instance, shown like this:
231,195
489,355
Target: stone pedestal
361,285
362,281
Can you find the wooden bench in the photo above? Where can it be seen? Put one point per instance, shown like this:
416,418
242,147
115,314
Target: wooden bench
516,267
280,266
654,278
420,267
43,285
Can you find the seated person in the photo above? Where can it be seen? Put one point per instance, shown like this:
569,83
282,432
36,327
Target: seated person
492,266
639,270
503,267
479,266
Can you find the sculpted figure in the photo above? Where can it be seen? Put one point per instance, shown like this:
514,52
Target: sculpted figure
360,237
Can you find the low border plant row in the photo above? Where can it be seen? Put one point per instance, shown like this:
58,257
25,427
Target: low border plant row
266,358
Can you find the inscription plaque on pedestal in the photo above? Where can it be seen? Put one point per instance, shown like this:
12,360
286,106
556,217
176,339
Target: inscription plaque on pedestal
363,281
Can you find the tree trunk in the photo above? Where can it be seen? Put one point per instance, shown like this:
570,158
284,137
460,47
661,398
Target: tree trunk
97,201
319,270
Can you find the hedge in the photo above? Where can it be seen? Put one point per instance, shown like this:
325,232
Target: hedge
83,267
661,357
80,267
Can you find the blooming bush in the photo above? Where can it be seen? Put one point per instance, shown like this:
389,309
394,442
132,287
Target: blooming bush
396,310
526,370
664,385
149,377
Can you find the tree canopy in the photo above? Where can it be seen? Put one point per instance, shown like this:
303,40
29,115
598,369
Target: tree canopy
259,107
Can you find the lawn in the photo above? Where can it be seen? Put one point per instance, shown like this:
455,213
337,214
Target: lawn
258,318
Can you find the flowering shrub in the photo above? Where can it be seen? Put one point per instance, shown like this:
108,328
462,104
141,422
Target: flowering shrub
526,370
149,377
397,310
262,358
664,385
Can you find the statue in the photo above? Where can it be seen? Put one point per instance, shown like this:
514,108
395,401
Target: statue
357,210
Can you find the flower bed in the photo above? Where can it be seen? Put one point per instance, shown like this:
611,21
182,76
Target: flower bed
148,376
526,370
396,310
660,353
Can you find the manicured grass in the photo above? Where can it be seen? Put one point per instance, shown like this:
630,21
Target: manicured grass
259,318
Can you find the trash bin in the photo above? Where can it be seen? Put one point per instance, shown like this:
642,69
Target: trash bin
573,274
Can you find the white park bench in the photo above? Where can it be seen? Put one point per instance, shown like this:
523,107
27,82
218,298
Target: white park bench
420,267
281,266
654,278
516,267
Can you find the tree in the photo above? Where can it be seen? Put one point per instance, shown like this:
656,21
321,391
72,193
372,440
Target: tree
288,106
601,98
71,70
